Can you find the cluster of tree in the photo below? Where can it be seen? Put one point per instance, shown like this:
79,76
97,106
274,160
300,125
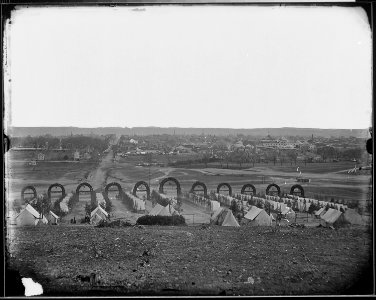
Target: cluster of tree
329,152
98,143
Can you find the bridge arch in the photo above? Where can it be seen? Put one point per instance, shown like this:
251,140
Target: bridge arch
82,185
147,189
49,191
248,185
273,185
106,189
164,181
300,191
222,185
201,184
24,192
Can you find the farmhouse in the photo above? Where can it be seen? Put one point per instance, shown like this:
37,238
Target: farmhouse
87,155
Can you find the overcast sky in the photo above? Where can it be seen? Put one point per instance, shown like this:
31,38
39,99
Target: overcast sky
190,66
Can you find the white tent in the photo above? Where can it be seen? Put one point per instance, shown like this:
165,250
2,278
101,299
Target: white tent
52,218
258,217
155,210
97,215
42,221
224,217
331,217
288,213
137,203
214,205
352,217
320,212
165,211
28,216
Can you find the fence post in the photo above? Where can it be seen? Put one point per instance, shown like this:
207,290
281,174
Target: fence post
193,219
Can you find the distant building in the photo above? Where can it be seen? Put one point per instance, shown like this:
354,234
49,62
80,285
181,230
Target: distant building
76,155
282,143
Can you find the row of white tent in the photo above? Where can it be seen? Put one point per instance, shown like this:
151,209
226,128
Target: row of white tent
338,206
137,203
210,205
29,216
302,203
332,217
171,199
259,217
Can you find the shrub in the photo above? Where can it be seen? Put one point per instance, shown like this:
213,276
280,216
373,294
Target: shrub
116,223
161,220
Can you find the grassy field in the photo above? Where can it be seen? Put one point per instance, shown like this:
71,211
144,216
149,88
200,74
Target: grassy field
192,260
324,184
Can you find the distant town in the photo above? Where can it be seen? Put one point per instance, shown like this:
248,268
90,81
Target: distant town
185,149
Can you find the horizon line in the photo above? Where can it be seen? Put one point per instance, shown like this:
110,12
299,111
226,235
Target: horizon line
166,127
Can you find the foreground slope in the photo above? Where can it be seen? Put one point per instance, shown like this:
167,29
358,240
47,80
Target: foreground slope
193,260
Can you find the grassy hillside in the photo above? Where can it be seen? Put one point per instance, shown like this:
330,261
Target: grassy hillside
190,260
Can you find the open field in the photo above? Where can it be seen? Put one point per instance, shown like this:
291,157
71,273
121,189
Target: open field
328,180
187,260
326,184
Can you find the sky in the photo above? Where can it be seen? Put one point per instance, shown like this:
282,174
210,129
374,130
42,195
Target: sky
189,66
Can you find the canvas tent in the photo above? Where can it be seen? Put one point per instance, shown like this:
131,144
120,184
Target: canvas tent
52,218
320,212
155,210
331,217
167,211
160,210
28,216
224,217
352,217
97,215
42,220
214,205
258,217
288,213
